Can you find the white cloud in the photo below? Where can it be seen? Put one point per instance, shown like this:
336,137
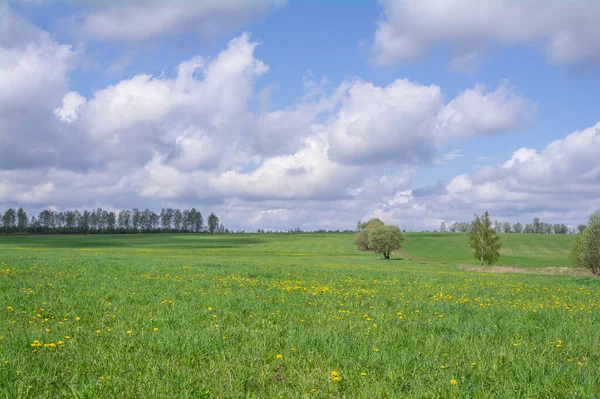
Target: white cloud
376,124
134,21
566,30
70,107
339,153
474,112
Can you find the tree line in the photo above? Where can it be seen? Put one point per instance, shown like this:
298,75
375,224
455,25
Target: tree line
536,227
101,221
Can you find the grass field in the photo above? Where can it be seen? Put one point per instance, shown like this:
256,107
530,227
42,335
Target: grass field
287,316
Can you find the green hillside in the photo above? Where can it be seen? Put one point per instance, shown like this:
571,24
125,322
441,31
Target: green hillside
523,250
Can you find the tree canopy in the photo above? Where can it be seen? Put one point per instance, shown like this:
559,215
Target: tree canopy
362,238
484,240
385,239
585,251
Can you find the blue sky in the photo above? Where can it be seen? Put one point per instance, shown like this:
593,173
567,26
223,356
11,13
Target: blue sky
303,113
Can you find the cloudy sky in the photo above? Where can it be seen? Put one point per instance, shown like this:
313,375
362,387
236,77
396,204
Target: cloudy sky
280,114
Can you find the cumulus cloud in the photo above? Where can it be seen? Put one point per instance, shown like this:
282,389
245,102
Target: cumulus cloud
33,78
545,184
474,112
192,137
565,30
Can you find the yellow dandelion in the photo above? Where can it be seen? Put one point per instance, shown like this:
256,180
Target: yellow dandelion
10,309
363,374
293,349
334,373
279,356
77,318
335,379
453,381
155,329
128,331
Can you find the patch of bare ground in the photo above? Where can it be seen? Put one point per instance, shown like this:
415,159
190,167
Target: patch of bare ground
570,271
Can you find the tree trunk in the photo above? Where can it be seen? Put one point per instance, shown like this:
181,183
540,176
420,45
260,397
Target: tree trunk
386,255
481,260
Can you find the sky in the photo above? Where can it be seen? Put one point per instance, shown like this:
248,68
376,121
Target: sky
280,114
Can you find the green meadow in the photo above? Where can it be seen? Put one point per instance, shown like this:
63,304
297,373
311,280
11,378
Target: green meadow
290,316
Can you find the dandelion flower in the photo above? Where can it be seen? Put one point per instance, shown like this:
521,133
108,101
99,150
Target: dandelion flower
128,331
155,329
363,374
453,381
334,373
279,356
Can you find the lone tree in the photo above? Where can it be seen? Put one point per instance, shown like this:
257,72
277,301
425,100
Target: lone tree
484,240
585,251
362,238
385,239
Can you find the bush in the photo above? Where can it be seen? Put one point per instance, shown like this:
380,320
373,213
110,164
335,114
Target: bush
585,251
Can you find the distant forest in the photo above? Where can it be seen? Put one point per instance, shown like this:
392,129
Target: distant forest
535,227
100,221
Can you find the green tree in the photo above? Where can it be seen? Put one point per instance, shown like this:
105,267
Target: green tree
585,250
362,238
213,223
484,240
22,220
385,239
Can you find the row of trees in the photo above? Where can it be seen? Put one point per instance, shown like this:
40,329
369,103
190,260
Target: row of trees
536,227
101,221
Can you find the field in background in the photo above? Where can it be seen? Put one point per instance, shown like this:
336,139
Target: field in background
522,250
290,316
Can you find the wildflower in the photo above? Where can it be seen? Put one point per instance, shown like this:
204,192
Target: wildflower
60,343
442,367
453,381
334,373
216,326
128,331
515,344
279,356
77,318
10,309
155,329
363,374
579,364
97,331
210,309
473,364
335,379
374,325
293,349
